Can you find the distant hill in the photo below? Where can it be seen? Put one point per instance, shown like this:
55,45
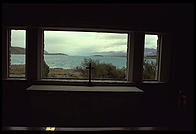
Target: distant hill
55,54
147,52
20,50
98,55
111,53
17,50
150,52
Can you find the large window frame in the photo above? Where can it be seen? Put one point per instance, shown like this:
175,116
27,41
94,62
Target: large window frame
157,77
7,53
135,50
83,30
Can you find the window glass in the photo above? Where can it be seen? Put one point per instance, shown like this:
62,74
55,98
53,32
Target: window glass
17,52
151,55
67,54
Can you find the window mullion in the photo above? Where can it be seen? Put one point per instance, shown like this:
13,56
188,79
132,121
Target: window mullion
129,58
40,49
165,57
135,56
34,39
5,52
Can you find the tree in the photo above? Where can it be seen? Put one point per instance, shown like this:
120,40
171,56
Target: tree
45,70
101,70
149,70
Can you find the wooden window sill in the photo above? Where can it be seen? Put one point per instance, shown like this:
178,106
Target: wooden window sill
84,88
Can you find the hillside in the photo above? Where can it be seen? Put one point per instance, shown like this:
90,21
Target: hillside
55,54
20,50
111,53
147,52
150,52
17,50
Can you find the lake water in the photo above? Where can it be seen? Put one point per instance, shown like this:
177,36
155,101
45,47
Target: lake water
67,62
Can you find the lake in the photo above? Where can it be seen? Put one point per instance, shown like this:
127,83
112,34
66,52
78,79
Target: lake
68,62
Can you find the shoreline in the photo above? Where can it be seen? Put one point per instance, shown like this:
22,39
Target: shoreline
19,70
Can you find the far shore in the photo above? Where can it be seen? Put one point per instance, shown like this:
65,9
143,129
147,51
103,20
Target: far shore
19,70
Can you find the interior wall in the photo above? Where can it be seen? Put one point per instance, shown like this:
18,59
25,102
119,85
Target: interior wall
176,19
130,16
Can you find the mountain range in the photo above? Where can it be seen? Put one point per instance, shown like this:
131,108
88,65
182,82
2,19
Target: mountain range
20,50
147,52
110,53
17,50
150,52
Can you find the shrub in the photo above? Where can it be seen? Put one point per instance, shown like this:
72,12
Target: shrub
101,70
45,70
149,70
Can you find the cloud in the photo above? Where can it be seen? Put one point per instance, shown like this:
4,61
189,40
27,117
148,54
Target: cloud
54,39
151,41
82,43
75,43
113,36
18,38
119,43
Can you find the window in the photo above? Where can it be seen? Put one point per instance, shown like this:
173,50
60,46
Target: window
67,55
17,53
151,57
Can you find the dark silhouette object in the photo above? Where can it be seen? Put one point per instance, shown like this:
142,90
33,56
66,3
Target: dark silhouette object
89,73
149,70
101,70
45,70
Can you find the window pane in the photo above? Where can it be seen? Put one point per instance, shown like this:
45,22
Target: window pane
17,53
67,54
150,65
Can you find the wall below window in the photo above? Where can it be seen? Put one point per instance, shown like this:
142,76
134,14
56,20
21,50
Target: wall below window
24,108
73,108
15,104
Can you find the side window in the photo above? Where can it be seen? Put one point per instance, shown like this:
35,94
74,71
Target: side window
151,57
17,53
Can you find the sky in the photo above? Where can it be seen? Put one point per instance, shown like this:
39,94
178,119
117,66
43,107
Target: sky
150,41
18,38
81,43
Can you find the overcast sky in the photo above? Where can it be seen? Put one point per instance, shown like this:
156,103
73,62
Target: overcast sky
81,43
151,41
